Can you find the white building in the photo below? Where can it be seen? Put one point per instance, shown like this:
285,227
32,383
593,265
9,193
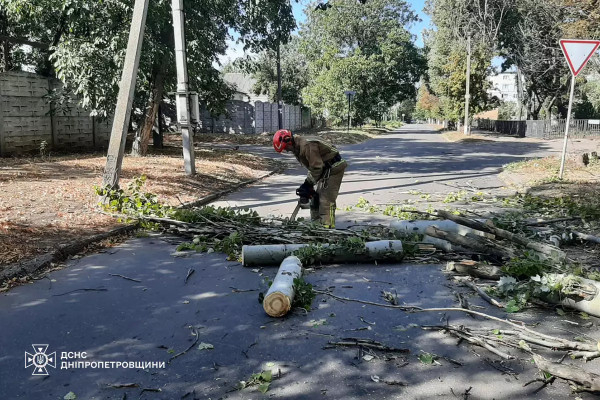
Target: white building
243,84
504,86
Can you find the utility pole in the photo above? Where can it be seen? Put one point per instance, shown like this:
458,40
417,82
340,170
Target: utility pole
468,93
349,94
279,97
118,134
182,95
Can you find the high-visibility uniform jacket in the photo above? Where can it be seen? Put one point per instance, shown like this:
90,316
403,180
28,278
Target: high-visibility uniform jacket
315,155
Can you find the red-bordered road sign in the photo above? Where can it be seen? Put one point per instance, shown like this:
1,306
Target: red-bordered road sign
578,52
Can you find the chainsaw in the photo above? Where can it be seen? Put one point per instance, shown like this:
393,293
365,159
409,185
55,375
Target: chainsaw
305,201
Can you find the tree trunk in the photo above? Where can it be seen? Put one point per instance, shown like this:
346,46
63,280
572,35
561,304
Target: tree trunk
280,297
7,56
140,147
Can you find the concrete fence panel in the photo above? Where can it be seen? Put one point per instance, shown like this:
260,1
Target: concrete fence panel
26,119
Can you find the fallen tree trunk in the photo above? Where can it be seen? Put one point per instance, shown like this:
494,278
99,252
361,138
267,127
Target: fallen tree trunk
548,251
579,293
476,269
589,381
380,250
586,237
480,245
447,225
278,300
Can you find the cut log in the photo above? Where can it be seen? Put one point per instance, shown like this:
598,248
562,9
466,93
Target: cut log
480,245
419,226
380,250
272,254
589,381
476,269
590,294
278,300
547,251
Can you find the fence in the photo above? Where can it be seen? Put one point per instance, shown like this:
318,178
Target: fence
543,129
26,118
247,118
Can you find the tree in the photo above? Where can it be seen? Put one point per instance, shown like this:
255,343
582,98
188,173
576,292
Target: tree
583,18
428,105
294,73
458,21
89,38
362,47
529,40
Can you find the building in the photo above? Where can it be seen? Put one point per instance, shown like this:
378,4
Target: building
504,86
244,84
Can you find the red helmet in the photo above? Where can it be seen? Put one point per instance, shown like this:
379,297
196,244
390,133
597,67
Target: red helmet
282,140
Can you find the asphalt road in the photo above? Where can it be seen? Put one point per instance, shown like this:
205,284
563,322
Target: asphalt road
384,169
87,307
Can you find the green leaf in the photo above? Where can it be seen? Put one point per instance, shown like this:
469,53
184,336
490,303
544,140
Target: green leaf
512,307
70,396
560,312
584,315
426,358
266,376
264,387
205,346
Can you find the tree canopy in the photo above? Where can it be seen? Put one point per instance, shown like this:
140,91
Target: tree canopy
88,38
362,47
294,73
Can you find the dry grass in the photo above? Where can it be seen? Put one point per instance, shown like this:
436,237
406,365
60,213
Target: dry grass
459,137
540,170
46,202
338,136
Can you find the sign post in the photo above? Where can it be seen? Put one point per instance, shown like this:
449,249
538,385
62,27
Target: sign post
349,93
577,53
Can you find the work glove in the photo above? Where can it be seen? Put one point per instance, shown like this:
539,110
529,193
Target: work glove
305,190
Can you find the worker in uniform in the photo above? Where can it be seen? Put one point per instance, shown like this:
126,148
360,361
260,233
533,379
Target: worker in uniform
325,171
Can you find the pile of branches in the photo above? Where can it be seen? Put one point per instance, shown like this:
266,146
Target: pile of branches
227,230
501,341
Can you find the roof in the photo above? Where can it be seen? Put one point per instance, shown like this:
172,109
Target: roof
243,83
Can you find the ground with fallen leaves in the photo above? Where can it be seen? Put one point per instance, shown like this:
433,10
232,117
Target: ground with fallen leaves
48,201
338,136
544,170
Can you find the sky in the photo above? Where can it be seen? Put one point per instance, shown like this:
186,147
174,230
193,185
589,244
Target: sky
236,49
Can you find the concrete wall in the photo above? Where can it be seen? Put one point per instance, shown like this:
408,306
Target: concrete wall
239,119
26,119
247,118
267,119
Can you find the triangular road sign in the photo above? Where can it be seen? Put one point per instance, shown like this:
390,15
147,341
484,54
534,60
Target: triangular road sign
578,52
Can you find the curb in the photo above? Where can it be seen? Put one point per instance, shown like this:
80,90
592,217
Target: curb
211,197
63,252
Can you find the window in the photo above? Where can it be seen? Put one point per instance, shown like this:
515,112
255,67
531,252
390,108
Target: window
505,87
506,77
